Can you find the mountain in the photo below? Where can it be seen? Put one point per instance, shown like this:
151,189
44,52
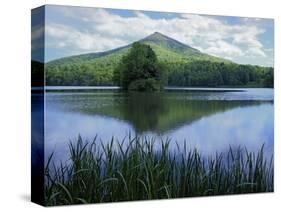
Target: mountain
178,58
167,49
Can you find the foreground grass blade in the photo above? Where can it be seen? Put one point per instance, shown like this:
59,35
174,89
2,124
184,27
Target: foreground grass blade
137,169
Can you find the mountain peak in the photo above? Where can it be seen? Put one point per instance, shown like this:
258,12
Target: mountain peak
156,35
166,41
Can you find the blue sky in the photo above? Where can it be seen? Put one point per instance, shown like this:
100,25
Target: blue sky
77,30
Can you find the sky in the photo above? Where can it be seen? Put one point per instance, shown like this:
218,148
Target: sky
78,30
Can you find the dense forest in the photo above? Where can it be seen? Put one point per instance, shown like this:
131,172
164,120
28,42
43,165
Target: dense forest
82,74
213,74
181,65
203,73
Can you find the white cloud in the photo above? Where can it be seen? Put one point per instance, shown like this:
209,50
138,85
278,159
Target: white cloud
106,30
221,47
61,36
37,32
252,52
37,35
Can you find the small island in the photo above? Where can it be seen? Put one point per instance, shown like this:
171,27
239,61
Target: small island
139,70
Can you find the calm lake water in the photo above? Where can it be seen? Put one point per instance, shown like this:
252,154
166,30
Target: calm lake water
208,119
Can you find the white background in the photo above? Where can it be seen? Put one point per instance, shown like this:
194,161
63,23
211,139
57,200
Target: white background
15,104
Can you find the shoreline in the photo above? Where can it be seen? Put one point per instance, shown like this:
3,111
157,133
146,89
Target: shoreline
167,88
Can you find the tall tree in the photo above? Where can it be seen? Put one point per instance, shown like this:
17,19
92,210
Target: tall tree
139,69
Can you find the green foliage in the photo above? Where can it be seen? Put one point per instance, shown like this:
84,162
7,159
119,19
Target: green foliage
149,84
181,65
140,169
268,78
84,70
213,74
139,69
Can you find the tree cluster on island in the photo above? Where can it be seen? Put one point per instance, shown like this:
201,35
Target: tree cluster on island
139,70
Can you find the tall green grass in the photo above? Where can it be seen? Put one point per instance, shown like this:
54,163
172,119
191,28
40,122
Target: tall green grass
140,169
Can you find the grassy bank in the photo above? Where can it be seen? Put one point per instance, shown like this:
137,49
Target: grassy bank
135,169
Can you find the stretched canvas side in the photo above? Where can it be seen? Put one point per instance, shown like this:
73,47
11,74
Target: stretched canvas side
37,105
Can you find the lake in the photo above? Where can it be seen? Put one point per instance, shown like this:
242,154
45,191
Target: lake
207,119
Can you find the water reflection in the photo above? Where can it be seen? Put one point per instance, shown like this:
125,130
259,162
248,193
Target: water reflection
157,112
209,125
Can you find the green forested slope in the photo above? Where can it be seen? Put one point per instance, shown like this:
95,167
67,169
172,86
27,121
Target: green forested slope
182,64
